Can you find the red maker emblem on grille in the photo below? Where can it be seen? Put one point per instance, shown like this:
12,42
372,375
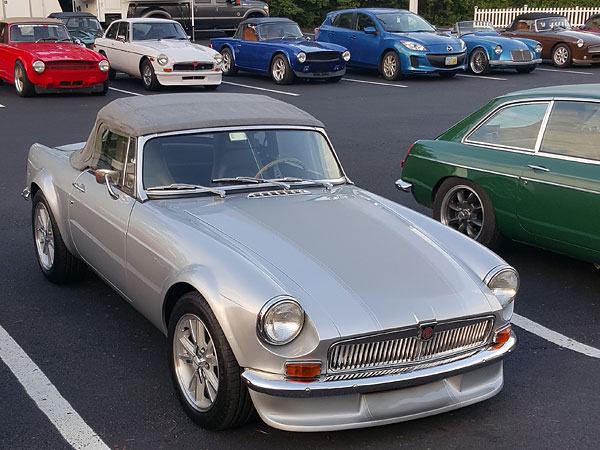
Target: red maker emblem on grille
427,333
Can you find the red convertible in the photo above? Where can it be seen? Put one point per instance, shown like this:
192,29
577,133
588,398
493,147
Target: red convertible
38,53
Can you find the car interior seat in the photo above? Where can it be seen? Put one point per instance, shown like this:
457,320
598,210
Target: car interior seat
522,26
250,34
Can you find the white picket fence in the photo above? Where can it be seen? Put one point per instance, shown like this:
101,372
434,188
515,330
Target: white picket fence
502,18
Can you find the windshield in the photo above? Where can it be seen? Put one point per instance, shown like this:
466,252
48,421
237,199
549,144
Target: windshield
83,24
552,23
279,31
155,31
403,22
472,26
32,32
199,158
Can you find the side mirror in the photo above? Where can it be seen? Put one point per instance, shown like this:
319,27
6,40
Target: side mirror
121,38
108,177
308,38
77,41
370,30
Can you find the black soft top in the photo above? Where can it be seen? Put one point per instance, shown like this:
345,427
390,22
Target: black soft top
68,15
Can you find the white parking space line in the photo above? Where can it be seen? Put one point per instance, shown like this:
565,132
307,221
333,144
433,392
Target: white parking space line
377,83
260,89
125,92
1,106
565,71
66,420
483,77
554,337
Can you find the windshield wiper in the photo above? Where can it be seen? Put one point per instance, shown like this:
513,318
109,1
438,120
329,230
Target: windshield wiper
183,186
326,184
276,182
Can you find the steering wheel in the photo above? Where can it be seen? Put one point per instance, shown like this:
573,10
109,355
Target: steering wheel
275,162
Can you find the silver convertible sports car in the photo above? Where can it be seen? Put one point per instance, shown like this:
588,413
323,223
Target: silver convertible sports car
283,288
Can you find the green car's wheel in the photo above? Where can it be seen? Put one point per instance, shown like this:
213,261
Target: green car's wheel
479,62
465,206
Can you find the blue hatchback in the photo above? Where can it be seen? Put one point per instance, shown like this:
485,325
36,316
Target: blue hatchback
395,41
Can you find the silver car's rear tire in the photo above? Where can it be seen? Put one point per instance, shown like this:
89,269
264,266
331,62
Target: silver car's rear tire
56,262
205,373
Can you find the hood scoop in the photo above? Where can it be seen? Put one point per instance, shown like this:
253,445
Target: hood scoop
266,194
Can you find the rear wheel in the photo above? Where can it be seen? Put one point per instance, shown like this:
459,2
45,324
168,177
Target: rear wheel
465,206
479,62
205,373
281,73
23,86
228,64
149,77
561,56
391,68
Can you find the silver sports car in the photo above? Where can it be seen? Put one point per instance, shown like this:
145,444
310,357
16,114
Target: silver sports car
228,221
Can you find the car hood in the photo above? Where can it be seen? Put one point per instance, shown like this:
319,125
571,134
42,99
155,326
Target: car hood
588,38
435,42
357,261
493,39
309,46
59,51
181,50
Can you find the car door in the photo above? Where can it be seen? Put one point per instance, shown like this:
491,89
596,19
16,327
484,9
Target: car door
341,30
365,45
559,194
97,221
125,60
227,14
4,59
247,48
107,44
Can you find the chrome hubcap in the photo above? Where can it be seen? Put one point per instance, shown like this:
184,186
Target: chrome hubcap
478,62
226,62
462,210
389,66
44,237
561,56
147,75
19,79
196,363
279,70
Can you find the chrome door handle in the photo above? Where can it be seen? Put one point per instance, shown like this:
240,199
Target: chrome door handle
79,187
540,168
352,37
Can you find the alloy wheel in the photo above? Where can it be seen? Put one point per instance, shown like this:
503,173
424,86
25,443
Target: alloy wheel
196,363
462,210
226,62
279,70
561,56
19,79
478,62
389,66
147,75
44,236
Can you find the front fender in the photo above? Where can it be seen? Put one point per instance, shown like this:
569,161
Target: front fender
529,42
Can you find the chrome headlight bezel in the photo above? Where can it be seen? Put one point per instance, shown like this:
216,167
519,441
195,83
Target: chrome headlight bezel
498,49
218,58
103,65
539,48
503,282
463,45
580,43
269,311
38,66
414,46
301,57
162,59
346,56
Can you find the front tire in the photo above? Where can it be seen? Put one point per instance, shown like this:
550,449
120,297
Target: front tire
561,56
205,373
281,73
479,62
104,90
23,86
56,262
391,68
465,206
149,77
228,64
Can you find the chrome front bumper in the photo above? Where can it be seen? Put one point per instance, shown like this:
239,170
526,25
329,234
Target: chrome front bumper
277,385
403,185
496,63
26,193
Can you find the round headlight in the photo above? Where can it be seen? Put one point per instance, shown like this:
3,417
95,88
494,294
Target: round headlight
579,43
39,66
103,66
538,48
346,56
504,284
301,57
498,49
280,321
162,60
218,58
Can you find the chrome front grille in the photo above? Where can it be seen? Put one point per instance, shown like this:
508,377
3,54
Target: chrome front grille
521,55
594,49
406,348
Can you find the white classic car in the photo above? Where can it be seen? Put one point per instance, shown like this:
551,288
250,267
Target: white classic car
158,51
228,221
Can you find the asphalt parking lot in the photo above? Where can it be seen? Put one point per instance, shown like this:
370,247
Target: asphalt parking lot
110,364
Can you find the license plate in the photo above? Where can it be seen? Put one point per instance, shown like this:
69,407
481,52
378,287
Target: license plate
451,60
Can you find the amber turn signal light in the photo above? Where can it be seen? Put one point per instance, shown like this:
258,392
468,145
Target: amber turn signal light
303,370
502,337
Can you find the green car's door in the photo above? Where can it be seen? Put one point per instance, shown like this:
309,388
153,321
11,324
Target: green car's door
559,192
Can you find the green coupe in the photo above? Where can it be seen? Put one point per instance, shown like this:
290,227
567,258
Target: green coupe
525,166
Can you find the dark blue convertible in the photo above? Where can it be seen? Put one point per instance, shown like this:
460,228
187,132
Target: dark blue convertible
276,46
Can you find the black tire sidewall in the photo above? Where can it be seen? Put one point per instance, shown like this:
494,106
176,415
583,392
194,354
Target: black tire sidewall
288,77
489,235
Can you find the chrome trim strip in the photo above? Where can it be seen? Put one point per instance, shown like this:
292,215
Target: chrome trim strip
277,385
466,167
515,63
543,125
260,331
575,188
495,271
568,158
